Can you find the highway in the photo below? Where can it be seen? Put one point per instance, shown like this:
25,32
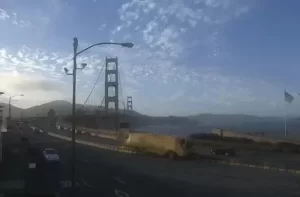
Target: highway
105,173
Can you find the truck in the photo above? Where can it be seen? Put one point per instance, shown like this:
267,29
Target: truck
172,147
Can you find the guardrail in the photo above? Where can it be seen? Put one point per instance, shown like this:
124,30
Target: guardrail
123,149
91,132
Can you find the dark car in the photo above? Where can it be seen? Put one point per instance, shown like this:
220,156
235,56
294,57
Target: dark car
223,151
50,155
20,126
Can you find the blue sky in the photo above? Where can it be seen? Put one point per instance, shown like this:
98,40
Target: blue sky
190,57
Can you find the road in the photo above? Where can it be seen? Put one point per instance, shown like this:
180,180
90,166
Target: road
105,173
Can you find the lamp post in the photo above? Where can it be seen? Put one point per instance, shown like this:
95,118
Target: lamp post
1,132
9,104
75,54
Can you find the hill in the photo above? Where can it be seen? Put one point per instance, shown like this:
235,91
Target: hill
63,108
15,111
201,123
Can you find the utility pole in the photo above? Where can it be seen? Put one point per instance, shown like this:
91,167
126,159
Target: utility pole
9,104
75,47
9,108
75,54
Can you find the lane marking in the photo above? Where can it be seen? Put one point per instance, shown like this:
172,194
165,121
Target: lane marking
118,179
67,183
85,183
31,165
121,193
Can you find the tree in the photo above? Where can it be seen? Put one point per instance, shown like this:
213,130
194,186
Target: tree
51,113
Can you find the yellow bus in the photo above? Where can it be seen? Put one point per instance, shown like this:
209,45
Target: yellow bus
164,145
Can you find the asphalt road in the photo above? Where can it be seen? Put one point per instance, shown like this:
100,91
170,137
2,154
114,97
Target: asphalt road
105,173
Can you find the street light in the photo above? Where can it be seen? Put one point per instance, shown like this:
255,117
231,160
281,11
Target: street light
9,104
75,54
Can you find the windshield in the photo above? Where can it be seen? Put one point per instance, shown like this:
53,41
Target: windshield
50,152
140,98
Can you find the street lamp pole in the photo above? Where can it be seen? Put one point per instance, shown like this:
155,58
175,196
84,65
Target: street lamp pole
9,108
9,104
75,54
75,47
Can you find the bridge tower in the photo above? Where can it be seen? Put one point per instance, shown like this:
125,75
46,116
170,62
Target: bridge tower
112,86
129,103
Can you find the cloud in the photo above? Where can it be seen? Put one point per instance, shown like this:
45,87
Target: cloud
3,15
13,18
164,72
29,84
35,87
102,27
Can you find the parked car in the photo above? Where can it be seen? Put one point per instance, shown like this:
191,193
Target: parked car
223,151
50,155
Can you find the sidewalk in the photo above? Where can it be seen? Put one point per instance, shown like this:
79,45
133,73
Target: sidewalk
12,166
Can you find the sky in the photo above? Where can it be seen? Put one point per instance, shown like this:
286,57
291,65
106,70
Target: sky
189,56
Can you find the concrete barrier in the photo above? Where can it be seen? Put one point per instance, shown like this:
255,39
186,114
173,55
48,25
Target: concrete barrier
261,166
91,132
98,145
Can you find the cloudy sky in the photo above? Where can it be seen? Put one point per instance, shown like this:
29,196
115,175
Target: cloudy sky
190,56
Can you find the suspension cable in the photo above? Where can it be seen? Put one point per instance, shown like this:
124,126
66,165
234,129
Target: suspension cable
93,87
121,89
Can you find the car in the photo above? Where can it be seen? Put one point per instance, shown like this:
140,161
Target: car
36,130
20,126
223,151
50,155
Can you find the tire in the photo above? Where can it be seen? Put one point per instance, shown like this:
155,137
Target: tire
172,155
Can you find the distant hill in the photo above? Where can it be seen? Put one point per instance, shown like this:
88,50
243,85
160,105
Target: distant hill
63,108
184,125
15,111
60,107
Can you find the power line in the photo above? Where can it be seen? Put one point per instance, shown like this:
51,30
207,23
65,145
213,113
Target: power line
93,87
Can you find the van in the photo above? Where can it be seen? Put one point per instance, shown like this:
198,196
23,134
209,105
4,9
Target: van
170,146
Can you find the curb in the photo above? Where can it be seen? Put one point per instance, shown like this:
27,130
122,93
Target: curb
123,149
93,134
265,167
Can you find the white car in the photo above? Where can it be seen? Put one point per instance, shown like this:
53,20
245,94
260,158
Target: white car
50,154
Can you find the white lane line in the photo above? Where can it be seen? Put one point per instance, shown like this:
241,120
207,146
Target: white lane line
121,193
31,165
67,183
118,179
85,183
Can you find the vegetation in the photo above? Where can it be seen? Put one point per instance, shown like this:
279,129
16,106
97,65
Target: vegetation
216,141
